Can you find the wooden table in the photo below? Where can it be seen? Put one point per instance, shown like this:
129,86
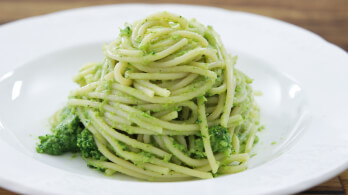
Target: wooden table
328,18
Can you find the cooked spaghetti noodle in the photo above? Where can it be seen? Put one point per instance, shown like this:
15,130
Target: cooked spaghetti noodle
167,103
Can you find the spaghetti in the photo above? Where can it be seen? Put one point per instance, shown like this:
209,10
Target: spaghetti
167,103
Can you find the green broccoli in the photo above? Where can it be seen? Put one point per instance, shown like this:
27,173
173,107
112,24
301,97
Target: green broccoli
220,140
64,135
88,147
69,135
95,165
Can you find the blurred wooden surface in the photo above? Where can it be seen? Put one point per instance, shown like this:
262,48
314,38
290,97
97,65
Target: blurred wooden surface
328,18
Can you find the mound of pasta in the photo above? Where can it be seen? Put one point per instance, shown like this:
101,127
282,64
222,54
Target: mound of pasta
166,104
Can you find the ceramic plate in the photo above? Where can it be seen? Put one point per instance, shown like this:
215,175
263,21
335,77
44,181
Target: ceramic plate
302,77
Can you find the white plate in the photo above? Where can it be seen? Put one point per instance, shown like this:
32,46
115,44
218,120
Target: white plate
302,76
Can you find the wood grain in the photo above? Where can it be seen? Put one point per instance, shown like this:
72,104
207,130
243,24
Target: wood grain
344,180
333,186
328,18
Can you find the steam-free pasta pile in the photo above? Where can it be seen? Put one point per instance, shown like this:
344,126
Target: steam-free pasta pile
166,103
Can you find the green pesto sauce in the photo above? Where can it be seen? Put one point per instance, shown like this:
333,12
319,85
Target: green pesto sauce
126,31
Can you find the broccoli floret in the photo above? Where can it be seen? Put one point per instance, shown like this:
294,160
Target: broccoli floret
88,147
220,140
64,135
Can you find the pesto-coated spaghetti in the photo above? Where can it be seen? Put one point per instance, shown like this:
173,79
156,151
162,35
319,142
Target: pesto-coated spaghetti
166,104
